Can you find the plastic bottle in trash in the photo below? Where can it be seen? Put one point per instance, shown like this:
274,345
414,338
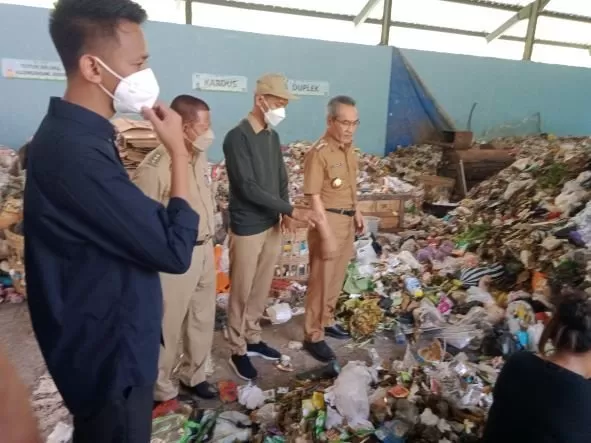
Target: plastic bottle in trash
535,333
399,336
413,286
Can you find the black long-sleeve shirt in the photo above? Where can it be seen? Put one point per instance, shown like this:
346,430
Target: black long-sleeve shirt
536,401
94,244
258,179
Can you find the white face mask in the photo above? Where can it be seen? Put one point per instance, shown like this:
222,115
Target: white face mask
203,141
274,116
134,92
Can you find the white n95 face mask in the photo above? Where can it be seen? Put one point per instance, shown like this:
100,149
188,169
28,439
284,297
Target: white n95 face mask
134,92
204,141
275,116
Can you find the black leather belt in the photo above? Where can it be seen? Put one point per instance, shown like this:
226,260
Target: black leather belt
347,212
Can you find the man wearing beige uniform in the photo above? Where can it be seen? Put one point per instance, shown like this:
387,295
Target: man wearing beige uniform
189,299
330,183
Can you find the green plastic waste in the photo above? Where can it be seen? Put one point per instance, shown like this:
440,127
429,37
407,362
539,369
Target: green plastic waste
355,283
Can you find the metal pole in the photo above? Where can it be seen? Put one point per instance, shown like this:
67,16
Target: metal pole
531,30
386,20
189,12
365,12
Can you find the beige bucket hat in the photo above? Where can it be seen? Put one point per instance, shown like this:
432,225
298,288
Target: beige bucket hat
274,84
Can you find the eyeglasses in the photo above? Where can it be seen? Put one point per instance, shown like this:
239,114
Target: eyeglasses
348,124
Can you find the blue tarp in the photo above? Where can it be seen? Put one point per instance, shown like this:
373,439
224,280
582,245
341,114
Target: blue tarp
413,114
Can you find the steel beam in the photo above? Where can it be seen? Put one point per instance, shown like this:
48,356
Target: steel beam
525,12
530,36
365,12
396,24
189,12
515,8
386,21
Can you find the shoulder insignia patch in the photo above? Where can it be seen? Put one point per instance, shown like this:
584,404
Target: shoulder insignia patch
319,144
155,159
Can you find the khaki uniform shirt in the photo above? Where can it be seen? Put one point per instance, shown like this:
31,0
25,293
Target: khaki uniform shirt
153,177
330,170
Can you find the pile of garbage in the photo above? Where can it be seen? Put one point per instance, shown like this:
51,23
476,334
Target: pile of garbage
428,401
398,172
428,396
12,184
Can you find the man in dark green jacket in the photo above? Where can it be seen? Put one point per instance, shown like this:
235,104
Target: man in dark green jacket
259,200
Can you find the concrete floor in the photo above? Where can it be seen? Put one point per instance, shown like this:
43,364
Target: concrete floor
17,337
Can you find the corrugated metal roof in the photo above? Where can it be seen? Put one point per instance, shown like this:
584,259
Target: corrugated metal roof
436,18
456,14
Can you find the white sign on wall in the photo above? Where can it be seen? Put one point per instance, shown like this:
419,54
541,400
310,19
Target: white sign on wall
222,83
302,87
33,69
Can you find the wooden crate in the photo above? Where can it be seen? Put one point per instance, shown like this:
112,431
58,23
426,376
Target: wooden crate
459,139
389,208
388,222
436,187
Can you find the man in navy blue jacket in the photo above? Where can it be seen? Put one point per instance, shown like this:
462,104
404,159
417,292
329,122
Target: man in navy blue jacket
94,243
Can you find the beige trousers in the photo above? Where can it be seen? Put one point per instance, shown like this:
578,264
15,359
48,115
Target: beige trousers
327,276
252,266
189,314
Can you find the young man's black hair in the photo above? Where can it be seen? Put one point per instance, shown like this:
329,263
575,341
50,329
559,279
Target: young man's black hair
76,25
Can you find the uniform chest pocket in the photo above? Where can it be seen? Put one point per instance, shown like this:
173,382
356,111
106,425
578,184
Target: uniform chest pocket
337,175
337,170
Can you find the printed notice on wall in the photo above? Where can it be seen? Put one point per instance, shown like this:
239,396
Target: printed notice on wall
221,83
301,87
32,69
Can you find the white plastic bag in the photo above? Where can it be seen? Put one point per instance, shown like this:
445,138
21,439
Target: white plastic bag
231,427
480,295
279,313
351,393
365,252
251,396
62,433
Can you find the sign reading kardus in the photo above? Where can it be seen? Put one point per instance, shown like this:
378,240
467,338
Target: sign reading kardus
221,83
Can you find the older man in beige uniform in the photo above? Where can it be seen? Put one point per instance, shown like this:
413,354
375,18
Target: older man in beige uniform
330,183
189,299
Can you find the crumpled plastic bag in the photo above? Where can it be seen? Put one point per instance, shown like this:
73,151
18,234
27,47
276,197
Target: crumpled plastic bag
333,418
408,259
279,313
480,295
251,396
168,429
62,433
364,252
267,415
351,393
583,222
231,427
354,282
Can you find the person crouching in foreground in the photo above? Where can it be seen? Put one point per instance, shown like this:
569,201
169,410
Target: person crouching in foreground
546,398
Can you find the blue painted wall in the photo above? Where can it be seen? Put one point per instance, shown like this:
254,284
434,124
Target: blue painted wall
507,90
179,51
